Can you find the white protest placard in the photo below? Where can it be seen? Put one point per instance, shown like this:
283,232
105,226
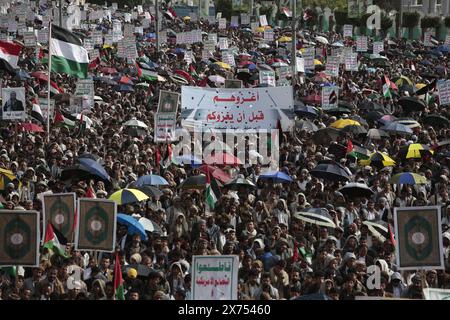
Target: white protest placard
330,95
332,67
283,72
163,36
223,43
443,87
215,277
228,58
85,88
348,30
268,35
245,18
188,57
427,36
43,103
193,16
13,103
42,35
109,39
12,26
254,26
338,52
378,46
97,37
308,56
165,125
197,36
94,54
436,294
222,23
267,78
88,44
361,44
29,39
206,55
21,28
234,21
209,45
263,20
213,37
300,65
211,19
351,61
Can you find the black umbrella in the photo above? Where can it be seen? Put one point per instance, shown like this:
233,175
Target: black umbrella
356,190
4,65
194,182
362,121
356,130
437,120
325,136
331,171
305,125
374,115
427,88
239,182
370,105
338,111
79,172
338,150
305,111
346,104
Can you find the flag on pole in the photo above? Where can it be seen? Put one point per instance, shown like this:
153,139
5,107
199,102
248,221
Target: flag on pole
55,241
60,119
386,87
118,282
10,51
68,54
210,197
146,74
36,112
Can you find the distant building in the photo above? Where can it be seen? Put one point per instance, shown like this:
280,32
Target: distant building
427,7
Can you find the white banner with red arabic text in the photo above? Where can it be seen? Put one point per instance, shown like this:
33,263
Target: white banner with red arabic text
237,109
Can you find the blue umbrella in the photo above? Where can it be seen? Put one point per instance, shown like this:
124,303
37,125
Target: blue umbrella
443,48
151,180
124,88
426,63
133,225
179,50
276,176
150,35
188,159
94,167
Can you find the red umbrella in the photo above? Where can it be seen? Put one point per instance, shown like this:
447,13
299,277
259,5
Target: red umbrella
184,74
223,158
41,75
108,70
217,173
126,80
31,127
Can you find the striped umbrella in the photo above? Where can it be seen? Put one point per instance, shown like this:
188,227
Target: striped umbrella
378,229
378,160
408,178
415,151
316,216
6,176
125,196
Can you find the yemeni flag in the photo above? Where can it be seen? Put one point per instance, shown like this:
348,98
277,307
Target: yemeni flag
10,51
386,87
67,52
210,197
55,241
118,282
36,111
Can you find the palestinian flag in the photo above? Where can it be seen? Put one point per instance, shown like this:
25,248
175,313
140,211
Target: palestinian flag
55,241
210,197
82,125
146,74
118,282
10,51
61,119
386,87
36,112
193,72
67,52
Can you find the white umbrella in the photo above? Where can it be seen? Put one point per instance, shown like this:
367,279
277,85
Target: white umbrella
147,224
97,98
322,40
135,123
263,45
338,44
217,79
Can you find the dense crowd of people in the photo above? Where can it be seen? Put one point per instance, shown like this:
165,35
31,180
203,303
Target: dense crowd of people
281,256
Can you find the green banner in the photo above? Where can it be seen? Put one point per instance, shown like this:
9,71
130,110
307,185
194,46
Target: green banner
19,238
419,234
59,209
96,225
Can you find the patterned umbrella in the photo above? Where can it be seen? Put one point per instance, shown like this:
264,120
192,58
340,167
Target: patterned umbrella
316,216
378,160
408,178
125,196
415,151
379,229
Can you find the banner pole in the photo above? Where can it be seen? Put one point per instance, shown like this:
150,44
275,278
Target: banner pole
49,83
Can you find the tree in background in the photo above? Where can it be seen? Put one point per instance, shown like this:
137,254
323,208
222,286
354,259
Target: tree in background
410,21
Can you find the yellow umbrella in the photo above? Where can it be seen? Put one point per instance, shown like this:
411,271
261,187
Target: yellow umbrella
342,123
260,29
125,196
187,18
284,39
317,62
223,65
420,85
